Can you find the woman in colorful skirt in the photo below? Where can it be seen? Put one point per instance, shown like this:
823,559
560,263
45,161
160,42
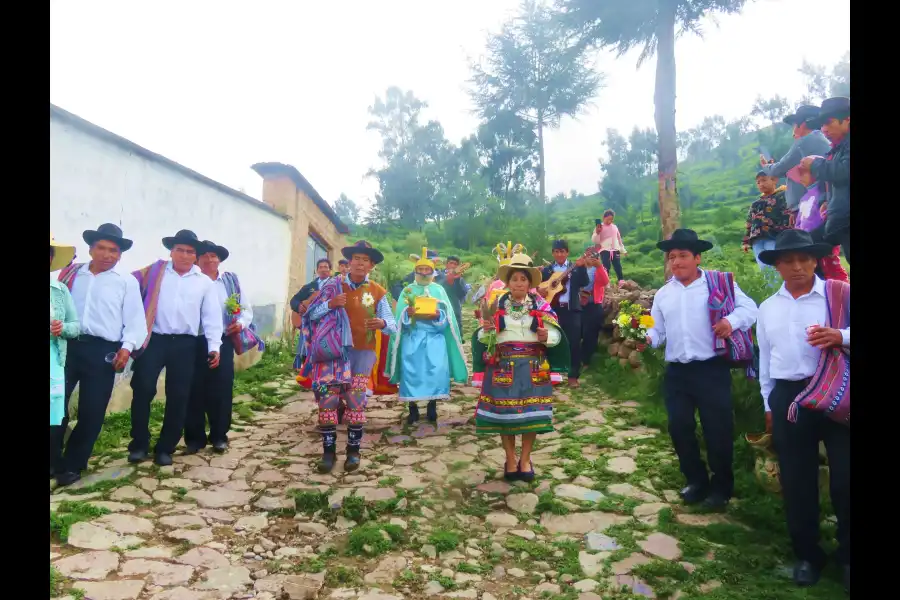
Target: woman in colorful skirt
517,351
63,326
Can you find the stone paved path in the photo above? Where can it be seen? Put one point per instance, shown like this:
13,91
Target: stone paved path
427,515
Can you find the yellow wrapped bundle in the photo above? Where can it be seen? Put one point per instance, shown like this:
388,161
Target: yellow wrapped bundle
426,306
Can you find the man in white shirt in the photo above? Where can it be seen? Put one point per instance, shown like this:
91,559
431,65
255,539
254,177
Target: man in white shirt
212,390
112,325
792,335
178,297
698,377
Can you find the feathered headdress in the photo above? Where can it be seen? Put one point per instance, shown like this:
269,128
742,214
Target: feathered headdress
427,259
504,252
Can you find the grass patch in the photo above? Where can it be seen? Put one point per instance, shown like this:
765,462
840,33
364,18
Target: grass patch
373,539
308,502
68,513
444,540
340,576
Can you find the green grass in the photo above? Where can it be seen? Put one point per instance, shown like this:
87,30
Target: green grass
373,539
67,514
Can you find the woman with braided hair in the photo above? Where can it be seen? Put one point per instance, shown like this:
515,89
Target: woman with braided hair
517,349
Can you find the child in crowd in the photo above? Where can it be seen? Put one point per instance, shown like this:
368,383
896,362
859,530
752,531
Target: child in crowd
768,216
608,241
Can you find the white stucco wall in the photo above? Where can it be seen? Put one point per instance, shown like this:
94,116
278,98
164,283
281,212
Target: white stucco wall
93,181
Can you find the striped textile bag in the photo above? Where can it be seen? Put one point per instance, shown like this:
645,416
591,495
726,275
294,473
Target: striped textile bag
829,389
738,349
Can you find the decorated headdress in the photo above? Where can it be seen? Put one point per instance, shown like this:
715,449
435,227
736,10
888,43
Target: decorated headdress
504,252
427,259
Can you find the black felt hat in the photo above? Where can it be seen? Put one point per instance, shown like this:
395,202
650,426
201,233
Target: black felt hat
804,114
598,221
684,239
831,107
208,246
794,240
363,247
186,237
107,231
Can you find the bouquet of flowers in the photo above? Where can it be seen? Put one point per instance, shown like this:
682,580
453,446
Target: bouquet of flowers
233,306
633,321
368,302
488,309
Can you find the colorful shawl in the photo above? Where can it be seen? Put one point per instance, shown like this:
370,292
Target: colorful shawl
247,338
150,280
829,389
738,348
331,335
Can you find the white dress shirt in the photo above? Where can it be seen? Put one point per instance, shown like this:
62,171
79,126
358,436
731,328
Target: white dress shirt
681,319
246,316
109,306
559,268
784,352
185,301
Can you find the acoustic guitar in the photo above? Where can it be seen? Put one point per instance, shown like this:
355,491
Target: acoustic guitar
557,283
458,271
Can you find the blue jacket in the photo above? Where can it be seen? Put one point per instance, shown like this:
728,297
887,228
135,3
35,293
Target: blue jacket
812,144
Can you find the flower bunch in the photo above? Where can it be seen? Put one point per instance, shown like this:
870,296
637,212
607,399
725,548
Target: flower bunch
633,321
233,306
488,310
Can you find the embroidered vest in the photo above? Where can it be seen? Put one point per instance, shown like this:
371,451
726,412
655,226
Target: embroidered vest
359,313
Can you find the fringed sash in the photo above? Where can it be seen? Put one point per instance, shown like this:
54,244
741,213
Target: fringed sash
67,275
738,347
150,281
829,389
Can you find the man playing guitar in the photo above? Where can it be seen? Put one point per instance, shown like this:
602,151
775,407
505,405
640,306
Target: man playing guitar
566,302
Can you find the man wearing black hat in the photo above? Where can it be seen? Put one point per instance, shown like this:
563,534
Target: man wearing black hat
356,303
808,140
695,315
834,170
178,300
567,302
794,329
109,308
212,389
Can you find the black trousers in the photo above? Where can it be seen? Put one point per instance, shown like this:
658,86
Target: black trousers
570,321
175,353
211,396
85,364
797,445
703,387
591,324
607,257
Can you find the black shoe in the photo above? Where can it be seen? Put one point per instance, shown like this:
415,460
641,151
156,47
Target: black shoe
413,414
526,475
806,574
327,463
163,459
192,450
136,456
847,578
511,475
341,410
67,478
352,462
694,494
432,411
220,447
715,502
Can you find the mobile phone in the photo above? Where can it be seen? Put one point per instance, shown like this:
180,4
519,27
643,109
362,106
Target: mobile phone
765,153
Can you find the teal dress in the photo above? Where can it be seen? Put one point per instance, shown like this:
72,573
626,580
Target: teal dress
62,308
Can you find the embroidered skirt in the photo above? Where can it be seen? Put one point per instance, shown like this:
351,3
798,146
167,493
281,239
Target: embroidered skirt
516,395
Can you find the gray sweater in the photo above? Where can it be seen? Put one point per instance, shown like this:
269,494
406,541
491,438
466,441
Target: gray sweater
812,144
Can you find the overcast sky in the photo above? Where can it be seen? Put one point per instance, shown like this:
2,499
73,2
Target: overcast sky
220,85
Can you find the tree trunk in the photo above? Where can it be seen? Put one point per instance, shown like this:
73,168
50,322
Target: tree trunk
664,101
542,184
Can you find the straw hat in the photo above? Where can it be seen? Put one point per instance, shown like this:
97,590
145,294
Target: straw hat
520,262
62,255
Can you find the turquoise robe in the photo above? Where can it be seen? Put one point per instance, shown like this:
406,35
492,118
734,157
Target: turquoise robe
425,355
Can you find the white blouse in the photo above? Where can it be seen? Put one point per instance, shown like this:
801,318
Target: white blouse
520,331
